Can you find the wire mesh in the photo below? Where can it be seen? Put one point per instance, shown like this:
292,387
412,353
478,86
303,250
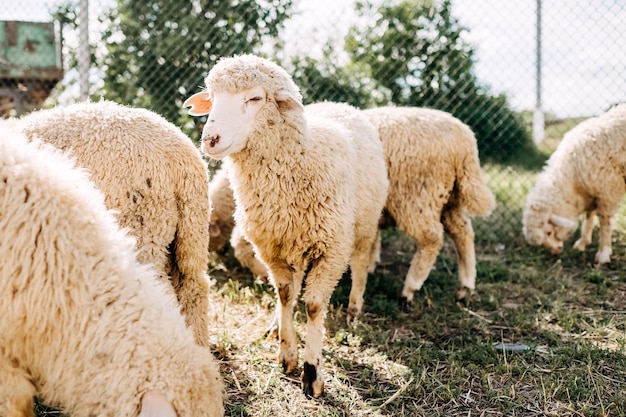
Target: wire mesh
484,61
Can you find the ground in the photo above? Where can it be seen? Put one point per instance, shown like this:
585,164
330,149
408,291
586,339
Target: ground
542,335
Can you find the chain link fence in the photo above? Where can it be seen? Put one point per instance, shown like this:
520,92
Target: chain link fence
499,65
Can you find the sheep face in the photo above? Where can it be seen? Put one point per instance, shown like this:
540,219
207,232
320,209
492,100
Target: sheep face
547,229
233,117
231,121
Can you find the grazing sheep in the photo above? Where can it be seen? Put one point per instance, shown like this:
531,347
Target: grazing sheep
85,326
585,174
223,230
435,184
244,252
222,210
153,176
308,192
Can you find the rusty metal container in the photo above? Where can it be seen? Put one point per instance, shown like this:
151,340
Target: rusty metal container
30,65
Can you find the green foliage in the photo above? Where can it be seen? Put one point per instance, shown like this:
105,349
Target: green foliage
415,51
159,51
324,80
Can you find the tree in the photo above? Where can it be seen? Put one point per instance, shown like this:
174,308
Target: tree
416,52
158,51
324,80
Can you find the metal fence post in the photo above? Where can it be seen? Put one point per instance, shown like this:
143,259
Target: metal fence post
538,117
83,49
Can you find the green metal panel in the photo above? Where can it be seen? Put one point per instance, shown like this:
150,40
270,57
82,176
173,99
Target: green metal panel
28,50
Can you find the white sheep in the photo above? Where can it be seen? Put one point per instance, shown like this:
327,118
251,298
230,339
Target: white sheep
436,184
308,192
585,174
83,325
154,177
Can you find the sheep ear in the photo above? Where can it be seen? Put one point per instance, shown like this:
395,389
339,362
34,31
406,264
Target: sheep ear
154,404
200,104
562,221
287,102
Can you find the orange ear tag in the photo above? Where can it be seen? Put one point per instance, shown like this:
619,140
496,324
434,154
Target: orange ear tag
200,104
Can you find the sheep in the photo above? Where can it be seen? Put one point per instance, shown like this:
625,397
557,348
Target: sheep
154,177
585,174
308,192
83,325
436,184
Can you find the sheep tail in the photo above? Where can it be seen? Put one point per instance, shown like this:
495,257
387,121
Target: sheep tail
474,195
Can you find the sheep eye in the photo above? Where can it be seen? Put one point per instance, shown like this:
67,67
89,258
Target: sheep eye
255,98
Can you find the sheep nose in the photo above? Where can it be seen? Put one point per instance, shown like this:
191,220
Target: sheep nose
213,140
556,250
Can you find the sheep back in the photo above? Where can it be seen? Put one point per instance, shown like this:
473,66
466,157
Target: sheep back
432,154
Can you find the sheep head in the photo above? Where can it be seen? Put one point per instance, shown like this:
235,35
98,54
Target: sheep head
543,227
242,93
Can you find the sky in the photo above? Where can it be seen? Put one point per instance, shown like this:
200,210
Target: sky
583,45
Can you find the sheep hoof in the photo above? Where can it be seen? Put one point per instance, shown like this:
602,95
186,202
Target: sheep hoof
288,366
311,386
464,293
272,330
603,258
580,245
351,314
404,303
406,299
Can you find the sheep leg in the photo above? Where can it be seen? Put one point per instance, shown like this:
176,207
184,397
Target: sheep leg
586,231
192,295
16,391
459,227
287,284
429,242
605,246
375,253
360,262
321,282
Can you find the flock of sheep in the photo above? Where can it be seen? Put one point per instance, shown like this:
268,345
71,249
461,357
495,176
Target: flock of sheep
107,217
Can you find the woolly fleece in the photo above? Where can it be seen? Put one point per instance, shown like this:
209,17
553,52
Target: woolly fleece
153,176
299,199
84,325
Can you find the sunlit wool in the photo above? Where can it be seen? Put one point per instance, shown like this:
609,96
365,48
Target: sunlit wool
435,185
83,325
154,177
